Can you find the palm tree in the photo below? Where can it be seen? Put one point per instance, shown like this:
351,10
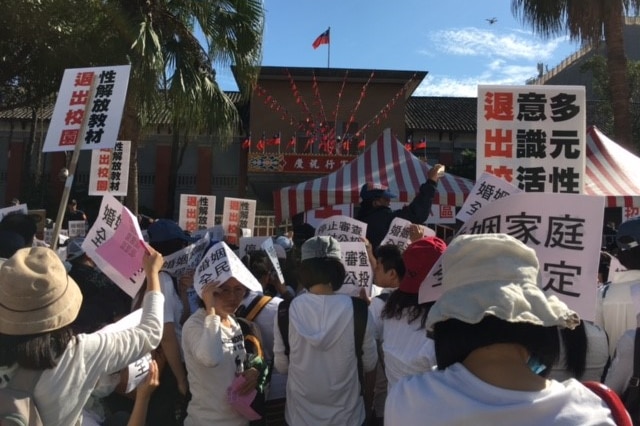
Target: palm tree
589,21
172,74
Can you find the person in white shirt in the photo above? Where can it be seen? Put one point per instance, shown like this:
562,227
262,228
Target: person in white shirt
407,349
494,330
167,237
38,302
388,271
215,355
621,368
323,387
615,311
584,353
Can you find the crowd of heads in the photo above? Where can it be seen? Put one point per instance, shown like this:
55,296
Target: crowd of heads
491,291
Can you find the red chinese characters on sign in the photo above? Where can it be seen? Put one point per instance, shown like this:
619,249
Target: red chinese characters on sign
533,136
296,163
75,115
498,106
446,212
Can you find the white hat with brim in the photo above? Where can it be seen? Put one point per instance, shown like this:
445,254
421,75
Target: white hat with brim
36,294
495,275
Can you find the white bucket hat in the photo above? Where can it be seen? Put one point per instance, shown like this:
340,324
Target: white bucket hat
497,275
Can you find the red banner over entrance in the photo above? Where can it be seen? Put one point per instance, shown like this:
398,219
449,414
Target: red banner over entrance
296,163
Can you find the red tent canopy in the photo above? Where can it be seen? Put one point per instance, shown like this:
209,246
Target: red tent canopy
385,162
611,171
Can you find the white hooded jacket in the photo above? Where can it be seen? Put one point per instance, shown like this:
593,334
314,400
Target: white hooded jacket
323,386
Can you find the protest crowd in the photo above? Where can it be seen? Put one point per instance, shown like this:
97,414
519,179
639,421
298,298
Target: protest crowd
219,332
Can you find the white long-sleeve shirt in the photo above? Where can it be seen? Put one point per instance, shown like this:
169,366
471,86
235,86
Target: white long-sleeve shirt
621,368
62,391
323,386
210,353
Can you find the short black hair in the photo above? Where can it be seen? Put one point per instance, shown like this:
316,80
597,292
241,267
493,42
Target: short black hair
168,247
630,259
455,339
390,256
258,263
322,270
22,224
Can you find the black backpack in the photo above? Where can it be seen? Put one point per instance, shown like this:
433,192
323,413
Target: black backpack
254,347
360,318
631,395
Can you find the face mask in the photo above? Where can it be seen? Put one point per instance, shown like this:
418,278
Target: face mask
535,365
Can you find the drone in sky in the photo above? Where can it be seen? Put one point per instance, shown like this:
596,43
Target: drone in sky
492,21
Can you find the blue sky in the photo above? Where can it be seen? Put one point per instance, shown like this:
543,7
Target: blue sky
451,40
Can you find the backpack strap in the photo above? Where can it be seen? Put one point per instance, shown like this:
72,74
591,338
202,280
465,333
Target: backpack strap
383,296
283,324
360,317
249,335
618,412
635,378
256,306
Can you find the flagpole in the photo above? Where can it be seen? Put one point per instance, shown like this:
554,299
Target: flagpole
329,49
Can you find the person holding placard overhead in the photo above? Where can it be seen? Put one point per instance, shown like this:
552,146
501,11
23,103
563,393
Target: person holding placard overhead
38,302
213,343
376,213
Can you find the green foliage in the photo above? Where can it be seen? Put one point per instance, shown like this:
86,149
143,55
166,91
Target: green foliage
603,110
465,168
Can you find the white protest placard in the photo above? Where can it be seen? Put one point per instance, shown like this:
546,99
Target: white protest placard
315,217
248,244
62,238
342,228
556,227
77,228
137,370
267,245
359,272
440,214
179,263
115,244
20,208
218,265
237,213
197,212
398,233
533,136
105,111
109,172
488,188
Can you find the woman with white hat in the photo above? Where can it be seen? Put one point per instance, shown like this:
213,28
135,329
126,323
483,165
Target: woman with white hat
38,303
495,331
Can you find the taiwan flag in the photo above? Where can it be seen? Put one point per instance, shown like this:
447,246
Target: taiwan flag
322,39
